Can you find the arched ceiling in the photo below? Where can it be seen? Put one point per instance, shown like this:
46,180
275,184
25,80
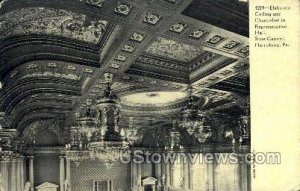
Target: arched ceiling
53,55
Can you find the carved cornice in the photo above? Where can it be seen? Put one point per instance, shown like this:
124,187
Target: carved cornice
162,63
166,77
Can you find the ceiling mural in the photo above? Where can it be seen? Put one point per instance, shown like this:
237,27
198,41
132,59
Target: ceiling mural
171,49
55,22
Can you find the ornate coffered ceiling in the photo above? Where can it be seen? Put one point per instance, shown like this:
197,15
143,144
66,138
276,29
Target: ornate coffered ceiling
53,56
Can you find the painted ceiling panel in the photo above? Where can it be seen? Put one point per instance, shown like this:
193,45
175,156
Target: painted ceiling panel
174,50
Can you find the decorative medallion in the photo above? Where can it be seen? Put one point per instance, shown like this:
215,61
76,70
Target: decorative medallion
128,48
97,3
244,50
30,66
178,27
232,44
126,77
152,18
52,65
70,67
215,39
225,72
214,78
114,65
240,65
153,82
123,9
121,58
88,70
140,80
137,37
197,34
95,91
168,48
177,86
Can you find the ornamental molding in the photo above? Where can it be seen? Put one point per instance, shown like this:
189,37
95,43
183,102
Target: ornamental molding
52,74
51,21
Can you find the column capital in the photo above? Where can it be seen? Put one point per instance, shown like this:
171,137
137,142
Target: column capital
62,156
21,157
30,156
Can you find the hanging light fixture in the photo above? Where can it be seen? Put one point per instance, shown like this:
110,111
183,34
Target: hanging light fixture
244,123
244,130
107,143
111,145
193,120
174,141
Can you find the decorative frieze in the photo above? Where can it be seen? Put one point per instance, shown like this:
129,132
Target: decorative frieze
53,74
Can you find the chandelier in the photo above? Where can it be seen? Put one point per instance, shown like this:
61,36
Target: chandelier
244,130
193,120
244,123
102,138
174,141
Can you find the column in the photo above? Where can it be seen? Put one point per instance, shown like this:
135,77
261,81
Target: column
167,171
185,175
210,175
158,172
68,175
31,173
139,174
237,179
4,174
163,174
134,175
22,182
158,175
191,171
244,176
171,174
13,175
62,172
18,174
